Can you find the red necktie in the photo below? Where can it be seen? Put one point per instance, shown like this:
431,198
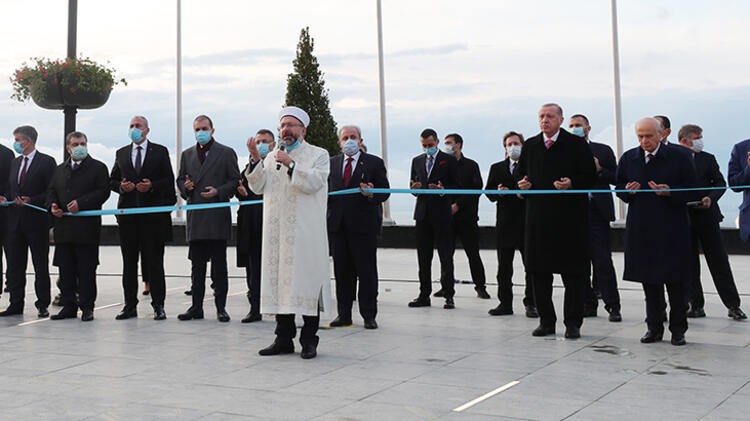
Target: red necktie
348,171
23,171
548,143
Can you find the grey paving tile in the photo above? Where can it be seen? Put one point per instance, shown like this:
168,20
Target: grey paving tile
435,399
628,411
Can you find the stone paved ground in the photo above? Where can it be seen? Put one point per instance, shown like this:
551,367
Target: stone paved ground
421,363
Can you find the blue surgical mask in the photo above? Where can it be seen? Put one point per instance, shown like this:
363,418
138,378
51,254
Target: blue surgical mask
79,153
293,146
136,134
18,148
203,136
350,147
264,150
578,131
430,151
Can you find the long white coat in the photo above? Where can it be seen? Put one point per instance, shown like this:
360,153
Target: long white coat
295,270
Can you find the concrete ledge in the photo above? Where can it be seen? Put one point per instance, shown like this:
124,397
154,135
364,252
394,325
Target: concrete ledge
404,236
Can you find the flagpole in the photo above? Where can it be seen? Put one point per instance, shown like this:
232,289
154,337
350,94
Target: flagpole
383,128
618,101
178,131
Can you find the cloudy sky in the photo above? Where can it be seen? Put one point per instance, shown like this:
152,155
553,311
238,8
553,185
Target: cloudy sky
479,68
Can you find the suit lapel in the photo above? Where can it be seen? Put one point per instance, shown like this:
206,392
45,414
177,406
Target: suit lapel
357,172
127,157
422,171
211,159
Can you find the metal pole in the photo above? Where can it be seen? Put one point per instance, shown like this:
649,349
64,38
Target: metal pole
69,110
178,131
383,129
618,102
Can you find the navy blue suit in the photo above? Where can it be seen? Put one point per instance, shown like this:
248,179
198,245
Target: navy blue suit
739,175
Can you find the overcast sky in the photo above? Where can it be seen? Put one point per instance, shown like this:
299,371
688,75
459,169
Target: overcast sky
479,68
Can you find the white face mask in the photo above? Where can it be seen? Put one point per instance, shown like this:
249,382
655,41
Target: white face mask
697,145
448,149
514,151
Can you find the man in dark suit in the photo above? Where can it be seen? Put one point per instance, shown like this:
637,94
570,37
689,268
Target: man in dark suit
557,239
739,175
353,227
81,183
28,229
657,231
433,169
509,227
601,213
6,156
142,175
465,210
208,174
704,223
250,229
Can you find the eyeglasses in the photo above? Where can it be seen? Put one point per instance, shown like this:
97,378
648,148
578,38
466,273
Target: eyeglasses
289,125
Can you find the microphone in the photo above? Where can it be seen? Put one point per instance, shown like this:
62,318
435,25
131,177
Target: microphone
281,148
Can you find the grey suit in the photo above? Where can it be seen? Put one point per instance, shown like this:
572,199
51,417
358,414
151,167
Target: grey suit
208,230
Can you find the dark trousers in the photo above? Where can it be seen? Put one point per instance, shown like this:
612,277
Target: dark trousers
603,275
655,305
505,278
139,237
355,257
709,237
572,306
468,232
200,253
252,271
429,236
18,243
77,264
286,330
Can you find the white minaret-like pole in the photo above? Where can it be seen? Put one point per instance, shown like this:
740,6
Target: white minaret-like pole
383,128
618,102
178,127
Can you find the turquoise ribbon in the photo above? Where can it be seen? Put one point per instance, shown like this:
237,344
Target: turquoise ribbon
203,206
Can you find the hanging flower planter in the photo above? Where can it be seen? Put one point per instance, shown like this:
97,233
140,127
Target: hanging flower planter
80,83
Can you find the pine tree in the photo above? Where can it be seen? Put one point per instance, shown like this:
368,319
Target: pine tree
306,89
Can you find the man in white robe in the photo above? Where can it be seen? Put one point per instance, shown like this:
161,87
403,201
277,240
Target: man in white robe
295,266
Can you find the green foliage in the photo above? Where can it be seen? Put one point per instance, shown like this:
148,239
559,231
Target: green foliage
306,89
76,75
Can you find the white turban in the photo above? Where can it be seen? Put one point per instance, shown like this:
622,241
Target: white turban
297,113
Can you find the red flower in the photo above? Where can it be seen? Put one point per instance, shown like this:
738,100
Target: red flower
441,163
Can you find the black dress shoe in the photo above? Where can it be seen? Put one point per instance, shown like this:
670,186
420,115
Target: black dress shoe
695,313
159,313
11,311
651,337
277,348
341,322
543,331
531,312
678,339
501,310
482,293
43,312
420,302
188,292
65,313
736,313
222,316
57,301
439,293
87,315
572,332
127,312
308,351
449,304
615,316
371,324
252,317
191,314
589,310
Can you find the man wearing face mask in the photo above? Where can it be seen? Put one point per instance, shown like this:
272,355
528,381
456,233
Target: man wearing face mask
208,174
79,184
142,175
250,229
28,229
509,227
353,226
705,217
601,211
295,268
465,210
434,169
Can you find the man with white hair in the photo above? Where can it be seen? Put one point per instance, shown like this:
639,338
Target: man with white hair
293,181
657,231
